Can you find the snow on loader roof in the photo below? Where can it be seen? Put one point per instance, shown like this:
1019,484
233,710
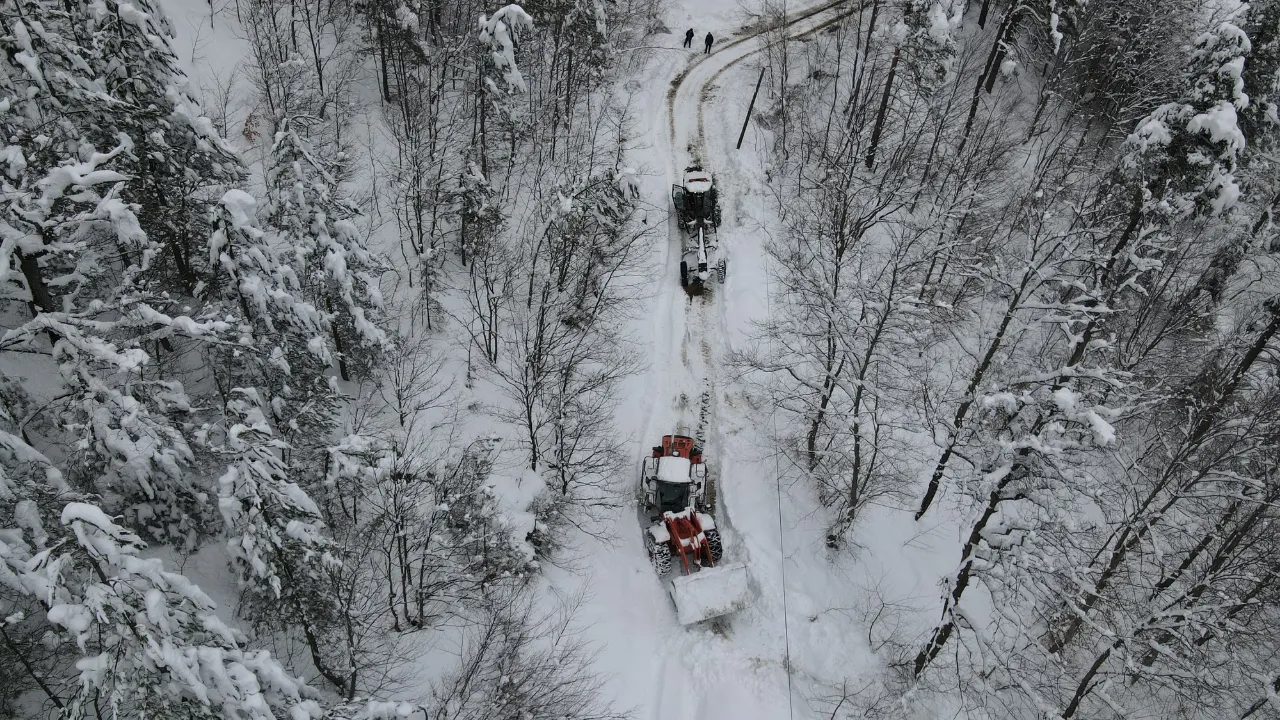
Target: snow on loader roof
674,469
697,182
711,592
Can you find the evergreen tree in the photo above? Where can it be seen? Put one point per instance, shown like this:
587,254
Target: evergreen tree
145,641
306,213
1184,153
108,177
277,542
280,347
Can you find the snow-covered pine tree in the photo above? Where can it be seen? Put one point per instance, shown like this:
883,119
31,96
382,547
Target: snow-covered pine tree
143,641
118,424
107,75
87,264
282,347
499,33
1261,72
95,91
305,213
278,542
1260,127
1184,153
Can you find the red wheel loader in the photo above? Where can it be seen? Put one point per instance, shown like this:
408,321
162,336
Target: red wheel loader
675,487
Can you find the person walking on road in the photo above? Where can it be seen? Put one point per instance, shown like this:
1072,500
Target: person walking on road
688,38
709,41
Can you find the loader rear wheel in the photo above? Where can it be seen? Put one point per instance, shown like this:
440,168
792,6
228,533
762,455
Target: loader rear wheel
684,273
722,268
713,542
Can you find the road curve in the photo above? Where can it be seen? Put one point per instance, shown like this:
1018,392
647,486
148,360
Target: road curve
685,99
701,674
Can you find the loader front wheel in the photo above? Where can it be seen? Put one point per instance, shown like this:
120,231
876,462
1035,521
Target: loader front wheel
684,273
713,542
659,556
722,269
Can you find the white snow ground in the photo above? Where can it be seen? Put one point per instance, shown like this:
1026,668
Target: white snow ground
809,607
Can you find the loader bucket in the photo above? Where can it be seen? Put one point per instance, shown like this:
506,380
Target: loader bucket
710,593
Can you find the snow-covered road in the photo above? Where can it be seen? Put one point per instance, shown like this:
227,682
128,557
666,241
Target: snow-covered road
661,669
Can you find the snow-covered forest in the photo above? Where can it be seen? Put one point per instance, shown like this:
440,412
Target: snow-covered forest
336,338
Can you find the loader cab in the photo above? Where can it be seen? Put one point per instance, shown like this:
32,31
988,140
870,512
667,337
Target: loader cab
695,198
675,477
670,496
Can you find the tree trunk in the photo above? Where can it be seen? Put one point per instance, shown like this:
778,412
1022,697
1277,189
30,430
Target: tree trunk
962,411
41,299
997,52
982,14
828,388
884,109
1083,688
943,632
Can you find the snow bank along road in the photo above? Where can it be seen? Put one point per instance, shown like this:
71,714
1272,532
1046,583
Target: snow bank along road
737,669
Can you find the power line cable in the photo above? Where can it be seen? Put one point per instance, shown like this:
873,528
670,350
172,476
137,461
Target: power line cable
777,474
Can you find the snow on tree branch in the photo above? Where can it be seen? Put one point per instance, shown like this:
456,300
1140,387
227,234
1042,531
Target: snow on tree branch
500,33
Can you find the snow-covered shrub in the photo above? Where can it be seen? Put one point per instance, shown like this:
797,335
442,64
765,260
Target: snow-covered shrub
434,524
929,45
518,663
480,215
551,513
